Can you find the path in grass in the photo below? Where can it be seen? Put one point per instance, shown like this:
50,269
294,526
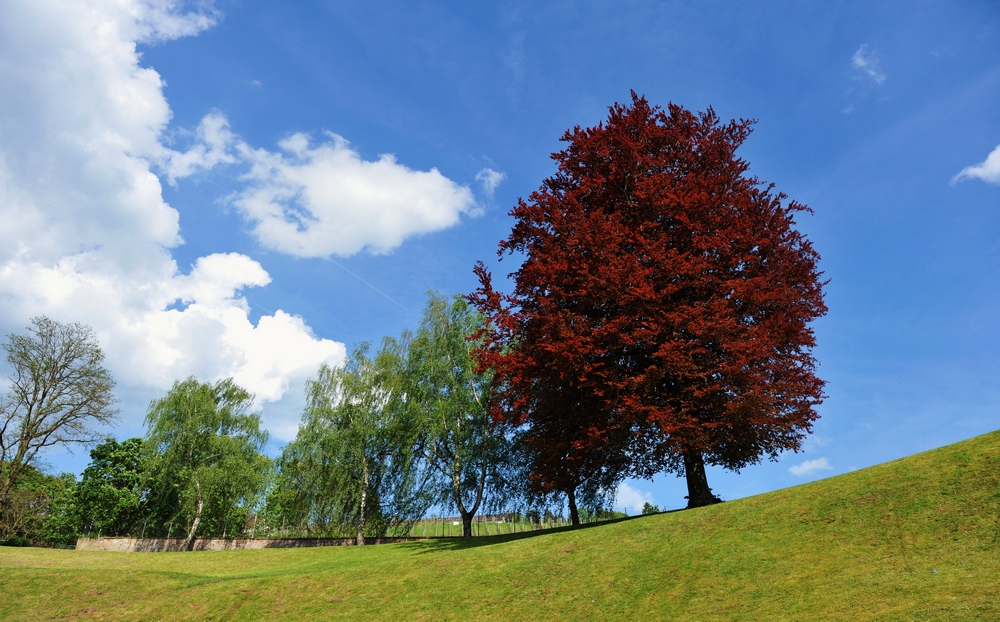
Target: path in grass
917,538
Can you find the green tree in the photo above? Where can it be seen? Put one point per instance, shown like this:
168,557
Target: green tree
353,464
31,502
473,461
649,508
109,497
59,392
206,469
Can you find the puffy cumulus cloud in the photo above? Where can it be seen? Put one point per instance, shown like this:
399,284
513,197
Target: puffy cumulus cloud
317,200
87,234
175,325
810,467
79,118
632,499
988,170
865,64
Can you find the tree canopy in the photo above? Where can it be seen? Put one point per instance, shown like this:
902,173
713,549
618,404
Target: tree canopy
60,394
109,496
471,459
206,464
354,464
668,291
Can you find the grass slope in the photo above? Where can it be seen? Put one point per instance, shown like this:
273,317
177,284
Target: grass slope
918,538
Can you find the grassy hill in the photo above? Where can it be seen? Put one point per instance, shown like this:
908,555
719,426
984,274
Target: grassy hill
918,538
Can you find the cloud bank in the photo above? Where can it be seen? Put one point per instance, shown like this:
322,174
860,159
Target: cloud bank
87,234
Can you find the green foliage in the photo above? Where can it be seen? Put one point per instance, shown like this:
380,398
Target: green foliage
109,497
205,470
32,503
62,524
599,513
649,508
473,463
352,466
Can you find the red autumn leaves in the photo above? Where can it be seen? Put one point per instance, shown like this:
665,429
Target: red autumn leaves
659,320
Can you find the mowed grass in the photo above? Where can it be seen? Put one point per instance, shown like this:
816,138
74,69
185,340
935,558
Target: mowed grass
914,539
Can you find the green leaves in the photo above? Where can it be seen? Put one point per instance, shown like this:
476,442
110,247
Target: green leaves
205,465
352,465
110,493
469,458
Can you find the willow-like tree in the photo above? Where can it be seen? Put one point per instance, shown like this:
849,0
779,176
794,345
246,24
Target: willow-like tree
206,468
668,286
353,461
472,460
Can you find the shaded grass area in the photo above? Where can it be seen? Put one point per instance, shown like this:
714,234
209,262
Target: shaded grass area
917,538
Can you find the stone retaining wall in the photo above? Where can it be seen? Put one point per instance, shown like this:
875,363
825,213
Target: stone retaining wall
129,545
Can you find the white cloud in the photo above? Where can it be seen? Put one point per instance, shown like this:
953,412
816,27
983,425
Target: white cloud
810,466
988,170
632,499
317,200
87,235
213,144
867,65
490,180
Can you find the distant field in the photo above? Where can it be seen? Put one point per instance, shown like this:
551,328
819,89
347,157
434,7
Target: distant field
437,528
917,538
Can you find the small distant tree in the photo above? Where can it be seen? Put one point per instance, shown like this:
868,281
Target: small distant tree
60,393
649,508
205,457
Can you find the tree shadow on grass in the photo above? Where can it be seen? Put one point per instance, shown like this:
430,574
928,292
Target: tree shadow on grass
458,543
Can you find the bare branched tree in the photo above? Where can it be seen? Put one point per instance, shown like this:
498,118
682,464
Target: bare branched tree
59,391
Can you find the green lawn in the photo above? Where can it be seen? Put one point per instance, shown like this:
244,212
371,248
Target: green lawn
914,539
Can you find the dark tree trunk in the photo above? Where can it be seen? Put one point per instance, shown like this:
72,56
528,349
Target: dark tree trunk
574,513
699,494
467,524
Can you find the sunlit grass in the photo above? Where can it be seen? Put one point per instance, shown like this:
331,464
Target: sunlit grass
917,539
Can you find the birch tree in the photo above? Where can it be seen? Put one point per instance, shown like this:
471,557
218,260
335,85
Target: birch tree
471,458
206,456
353,460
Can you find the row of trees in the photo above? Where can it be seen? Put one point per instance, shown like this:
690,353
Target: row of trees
199,470
199,467
384,438
399,430
659,322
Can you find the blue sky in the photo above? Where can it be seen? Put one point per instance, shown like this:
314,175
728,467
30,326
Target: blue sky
247,188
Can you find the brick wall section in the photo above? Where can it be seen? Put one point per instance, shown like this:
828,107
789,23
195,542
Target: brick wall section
161,545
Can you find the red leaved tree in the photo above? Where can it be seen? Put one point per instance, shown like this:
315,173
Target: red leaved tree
668,292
